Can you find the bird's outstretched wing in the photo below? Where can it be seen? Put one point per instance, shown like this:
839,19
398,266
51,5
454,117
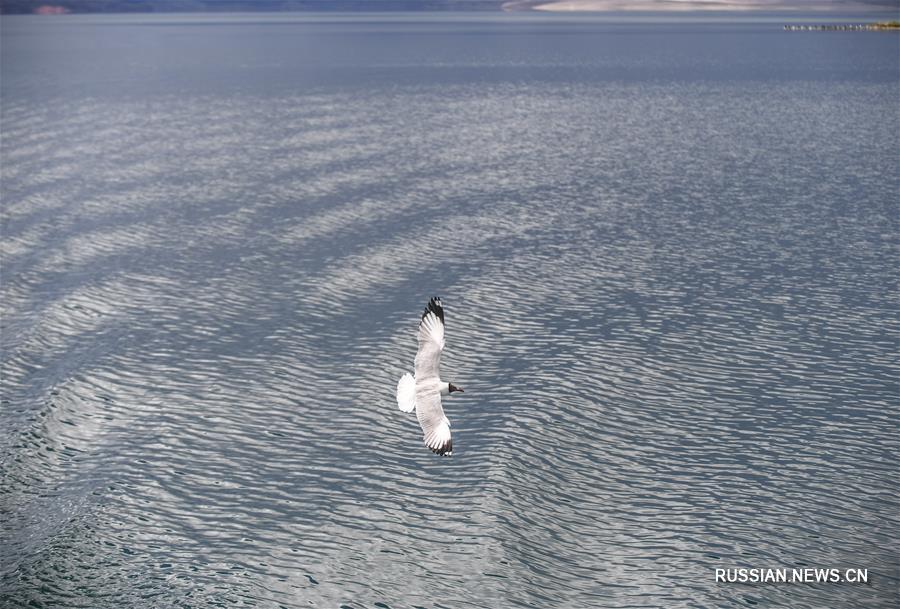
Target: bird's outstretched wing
435,426
431,341
429,411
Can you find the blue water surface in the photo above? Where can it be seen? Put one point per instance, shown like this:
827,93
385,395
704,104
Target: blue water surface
668,253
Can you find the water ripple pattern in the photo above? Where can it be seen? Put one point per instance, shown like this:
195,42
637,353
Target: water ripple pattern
668,259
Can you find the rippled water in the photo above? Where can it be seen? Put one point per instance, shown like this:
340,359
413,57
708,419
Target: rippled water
668,255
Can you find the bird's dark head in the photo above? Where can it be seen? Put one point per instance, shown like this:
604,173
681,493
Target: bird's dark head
455,388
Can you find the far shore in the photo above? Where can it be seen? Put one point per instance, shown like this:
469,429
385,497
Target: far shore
856,27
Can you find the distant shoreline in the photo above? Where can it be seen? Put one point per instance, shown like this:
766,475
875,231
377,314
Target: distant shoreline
829,9
850,27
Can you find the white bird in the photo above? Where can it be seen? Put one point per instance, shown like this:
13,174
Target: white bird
423,393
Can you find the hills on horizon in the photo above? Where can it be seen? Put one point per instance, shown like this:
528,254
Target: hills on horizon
182,6
200,6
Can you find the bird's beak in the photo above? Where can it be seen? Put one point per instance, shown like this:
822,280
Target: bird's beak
460,389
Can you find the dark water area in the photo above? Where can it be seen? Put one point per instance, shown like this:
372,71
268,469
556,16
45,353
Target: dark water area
668,253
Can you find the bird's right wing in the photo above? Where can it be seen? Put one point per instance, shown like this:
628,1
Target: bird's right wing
435,426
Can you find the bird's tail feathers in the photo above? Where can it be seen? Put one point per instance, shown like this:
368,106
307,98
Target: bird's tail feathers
406,393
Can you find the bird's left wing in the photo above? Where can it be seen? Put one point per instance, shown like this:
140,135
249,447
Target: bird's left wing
431,342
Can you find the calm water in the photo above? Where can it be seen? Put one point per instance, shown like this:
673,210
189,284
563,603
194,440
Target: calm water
668,254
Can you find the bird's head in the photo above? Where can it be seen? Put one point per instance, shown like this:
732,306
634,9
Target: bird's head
455,388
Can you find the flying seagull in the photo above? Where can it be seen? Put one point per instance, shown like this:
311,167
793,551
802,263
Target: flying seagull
423,393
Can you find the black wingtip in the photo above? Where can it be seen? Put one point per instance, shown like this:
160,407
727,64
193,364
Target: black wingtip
434,306
445,451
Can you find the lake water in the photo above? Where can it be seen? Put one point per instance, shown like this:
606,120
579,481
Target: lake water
668,253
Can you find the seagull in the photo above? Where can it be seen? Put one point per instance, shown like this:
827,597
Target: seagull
423,392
